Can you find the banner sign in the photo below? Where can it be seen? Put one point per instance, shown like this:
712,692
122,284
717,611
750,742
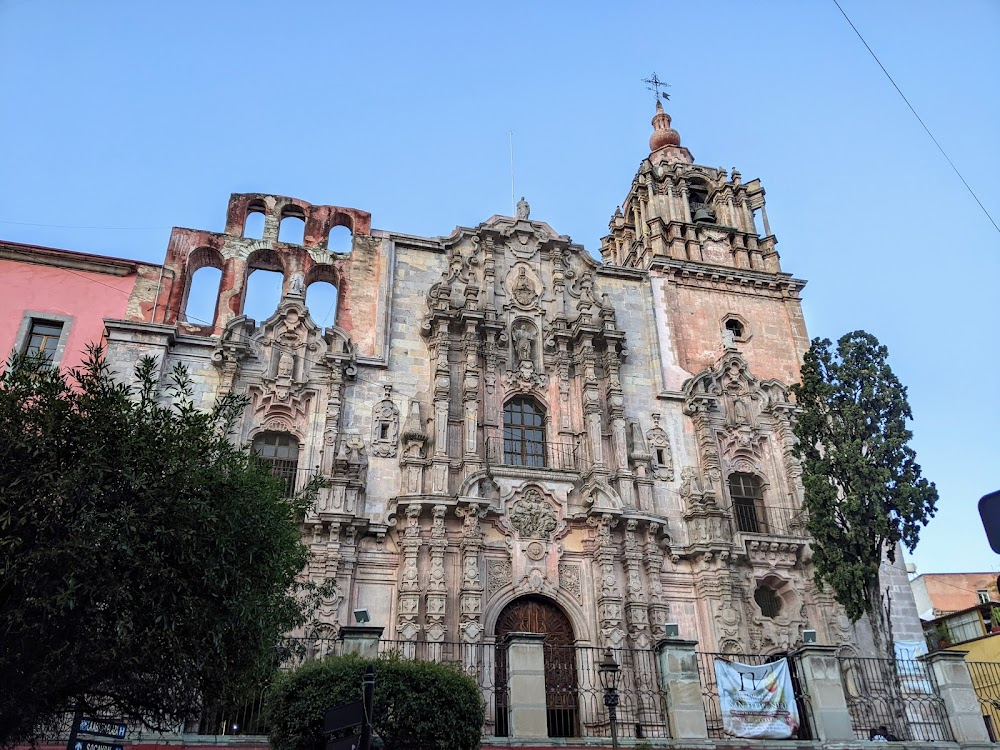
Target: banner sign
912,673
757,701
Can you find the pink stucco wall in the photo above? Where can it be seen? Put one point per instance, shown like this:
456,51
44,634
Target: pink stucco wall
86,296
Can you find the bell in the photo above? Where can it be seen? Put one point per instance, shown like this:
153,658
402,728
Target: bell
703,216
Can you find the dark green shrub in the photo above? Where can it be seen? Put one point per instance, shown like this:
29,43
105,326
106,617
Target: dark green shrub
418,705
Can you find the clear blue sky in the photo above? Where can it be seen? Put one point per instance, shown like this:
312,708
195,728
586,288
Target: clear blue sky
135,116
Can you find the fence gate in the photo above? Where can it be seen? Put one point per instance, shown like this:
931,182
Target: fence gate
537,615
986,681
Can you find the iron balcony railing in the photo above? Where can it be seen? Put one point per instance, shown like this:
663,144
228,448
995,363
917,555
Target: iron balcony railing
768,520
504,451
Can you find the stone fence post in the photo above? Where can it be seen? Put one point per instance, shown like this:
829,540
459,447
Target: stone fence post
360,639
954,685
526,685
680,686
819,675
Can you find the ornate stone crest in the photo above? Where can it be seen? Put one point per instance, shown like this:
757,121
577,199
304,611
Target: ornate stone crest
533,517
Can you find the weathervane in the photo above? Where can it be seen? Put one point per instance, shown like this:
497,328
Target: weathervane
655,84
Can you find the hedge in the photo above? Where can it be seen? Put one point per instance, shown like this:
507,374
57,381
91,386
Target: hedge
419,705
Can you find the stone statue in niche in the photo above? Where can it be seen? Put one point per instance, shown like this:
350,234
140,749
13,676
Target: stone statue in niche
297,285
523,339
385,426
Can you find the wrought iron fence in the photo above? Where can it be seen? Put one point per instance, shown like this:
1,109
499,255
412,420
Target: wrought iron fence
710,690
895,695
986,681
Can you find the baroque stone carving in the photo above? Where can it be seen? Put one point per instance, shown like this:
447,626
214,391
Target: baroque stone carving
498,575
659,444
569,580
385,426
532,516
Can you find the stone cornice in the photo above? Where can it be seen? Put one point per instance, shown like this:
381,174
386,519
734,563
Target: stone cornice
726,278
48,256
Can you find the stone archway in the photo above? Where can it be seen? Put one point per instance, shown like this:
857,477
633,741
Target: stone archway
537,614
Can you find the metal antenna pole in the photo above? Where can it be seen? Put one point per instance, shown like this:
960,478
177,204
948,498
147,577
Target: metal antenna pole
513,205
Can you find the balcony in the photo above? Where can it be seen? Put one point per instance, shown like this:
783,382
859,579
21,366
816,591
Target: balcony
506,451
768,520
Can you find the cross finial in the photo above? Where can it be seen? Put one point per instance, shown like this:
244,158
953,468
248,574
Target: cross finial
654,84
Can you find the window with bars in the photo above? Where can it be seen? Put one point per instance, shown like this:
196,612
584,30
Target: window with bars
747,496
768,601
281,451
43,339
523,433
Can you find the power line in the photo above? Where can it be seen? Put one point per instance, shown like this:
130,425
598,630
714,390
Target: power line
74,226
919,119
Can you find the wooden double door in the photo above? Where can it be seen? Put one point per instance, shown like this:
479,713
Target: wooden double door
535,614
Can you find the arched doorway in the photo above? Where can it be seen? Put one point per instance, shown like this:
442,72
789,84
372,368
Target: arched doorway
536,614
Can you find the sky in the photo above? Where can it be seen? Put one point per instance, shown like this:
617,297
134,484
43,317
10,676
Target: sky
122,119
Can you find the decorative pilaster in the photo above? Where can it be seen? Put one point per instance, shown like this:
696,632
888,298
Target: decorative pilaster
437,588
442,394
659,608
409,581
609,599
471,397
592,403
471,597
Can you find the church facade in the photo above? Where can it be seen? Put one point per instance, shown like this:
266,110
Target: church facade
514,436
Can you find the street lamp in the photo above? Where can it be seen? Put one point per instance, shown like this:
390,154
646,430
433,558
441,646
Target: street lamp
610,674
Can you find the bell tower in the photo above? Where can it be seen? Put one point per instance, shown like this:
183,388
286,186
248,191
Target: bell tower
703,235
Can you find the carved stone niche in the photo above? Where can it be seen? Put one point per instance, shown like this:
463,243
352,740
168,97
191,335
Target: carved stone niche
385,426
659,447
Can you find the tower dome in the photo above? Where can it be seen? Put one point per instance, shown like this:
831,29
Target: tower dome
663,134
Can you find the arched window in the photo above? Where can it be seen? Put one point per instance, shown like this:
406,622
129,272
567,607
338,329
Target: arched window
523,433
768,601
321,299
281,451
748,501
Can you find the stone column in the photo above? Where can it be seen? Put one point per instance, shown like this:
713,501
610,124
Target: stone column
442,396
819,673
681,689
361,640
954,685
526,685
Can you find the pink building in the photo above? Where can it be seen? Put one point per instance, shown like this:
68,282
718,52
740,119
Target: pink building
55,301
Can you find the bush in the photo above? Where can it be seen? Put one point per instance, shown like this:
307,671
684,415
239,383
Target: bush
419,705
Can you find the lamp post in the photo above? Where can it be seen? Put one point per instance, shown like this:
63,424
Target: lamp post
610,674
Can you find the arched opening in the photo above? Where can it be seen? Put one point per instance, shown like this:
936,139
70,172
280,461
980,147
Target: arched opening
201,298
280,450
292,229
536,614
747,496
253,225
339,240
523,432
265,279
321,299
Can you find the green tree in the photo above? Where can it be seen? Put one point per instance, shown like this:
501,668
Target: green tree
148,564
418,705
863,488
